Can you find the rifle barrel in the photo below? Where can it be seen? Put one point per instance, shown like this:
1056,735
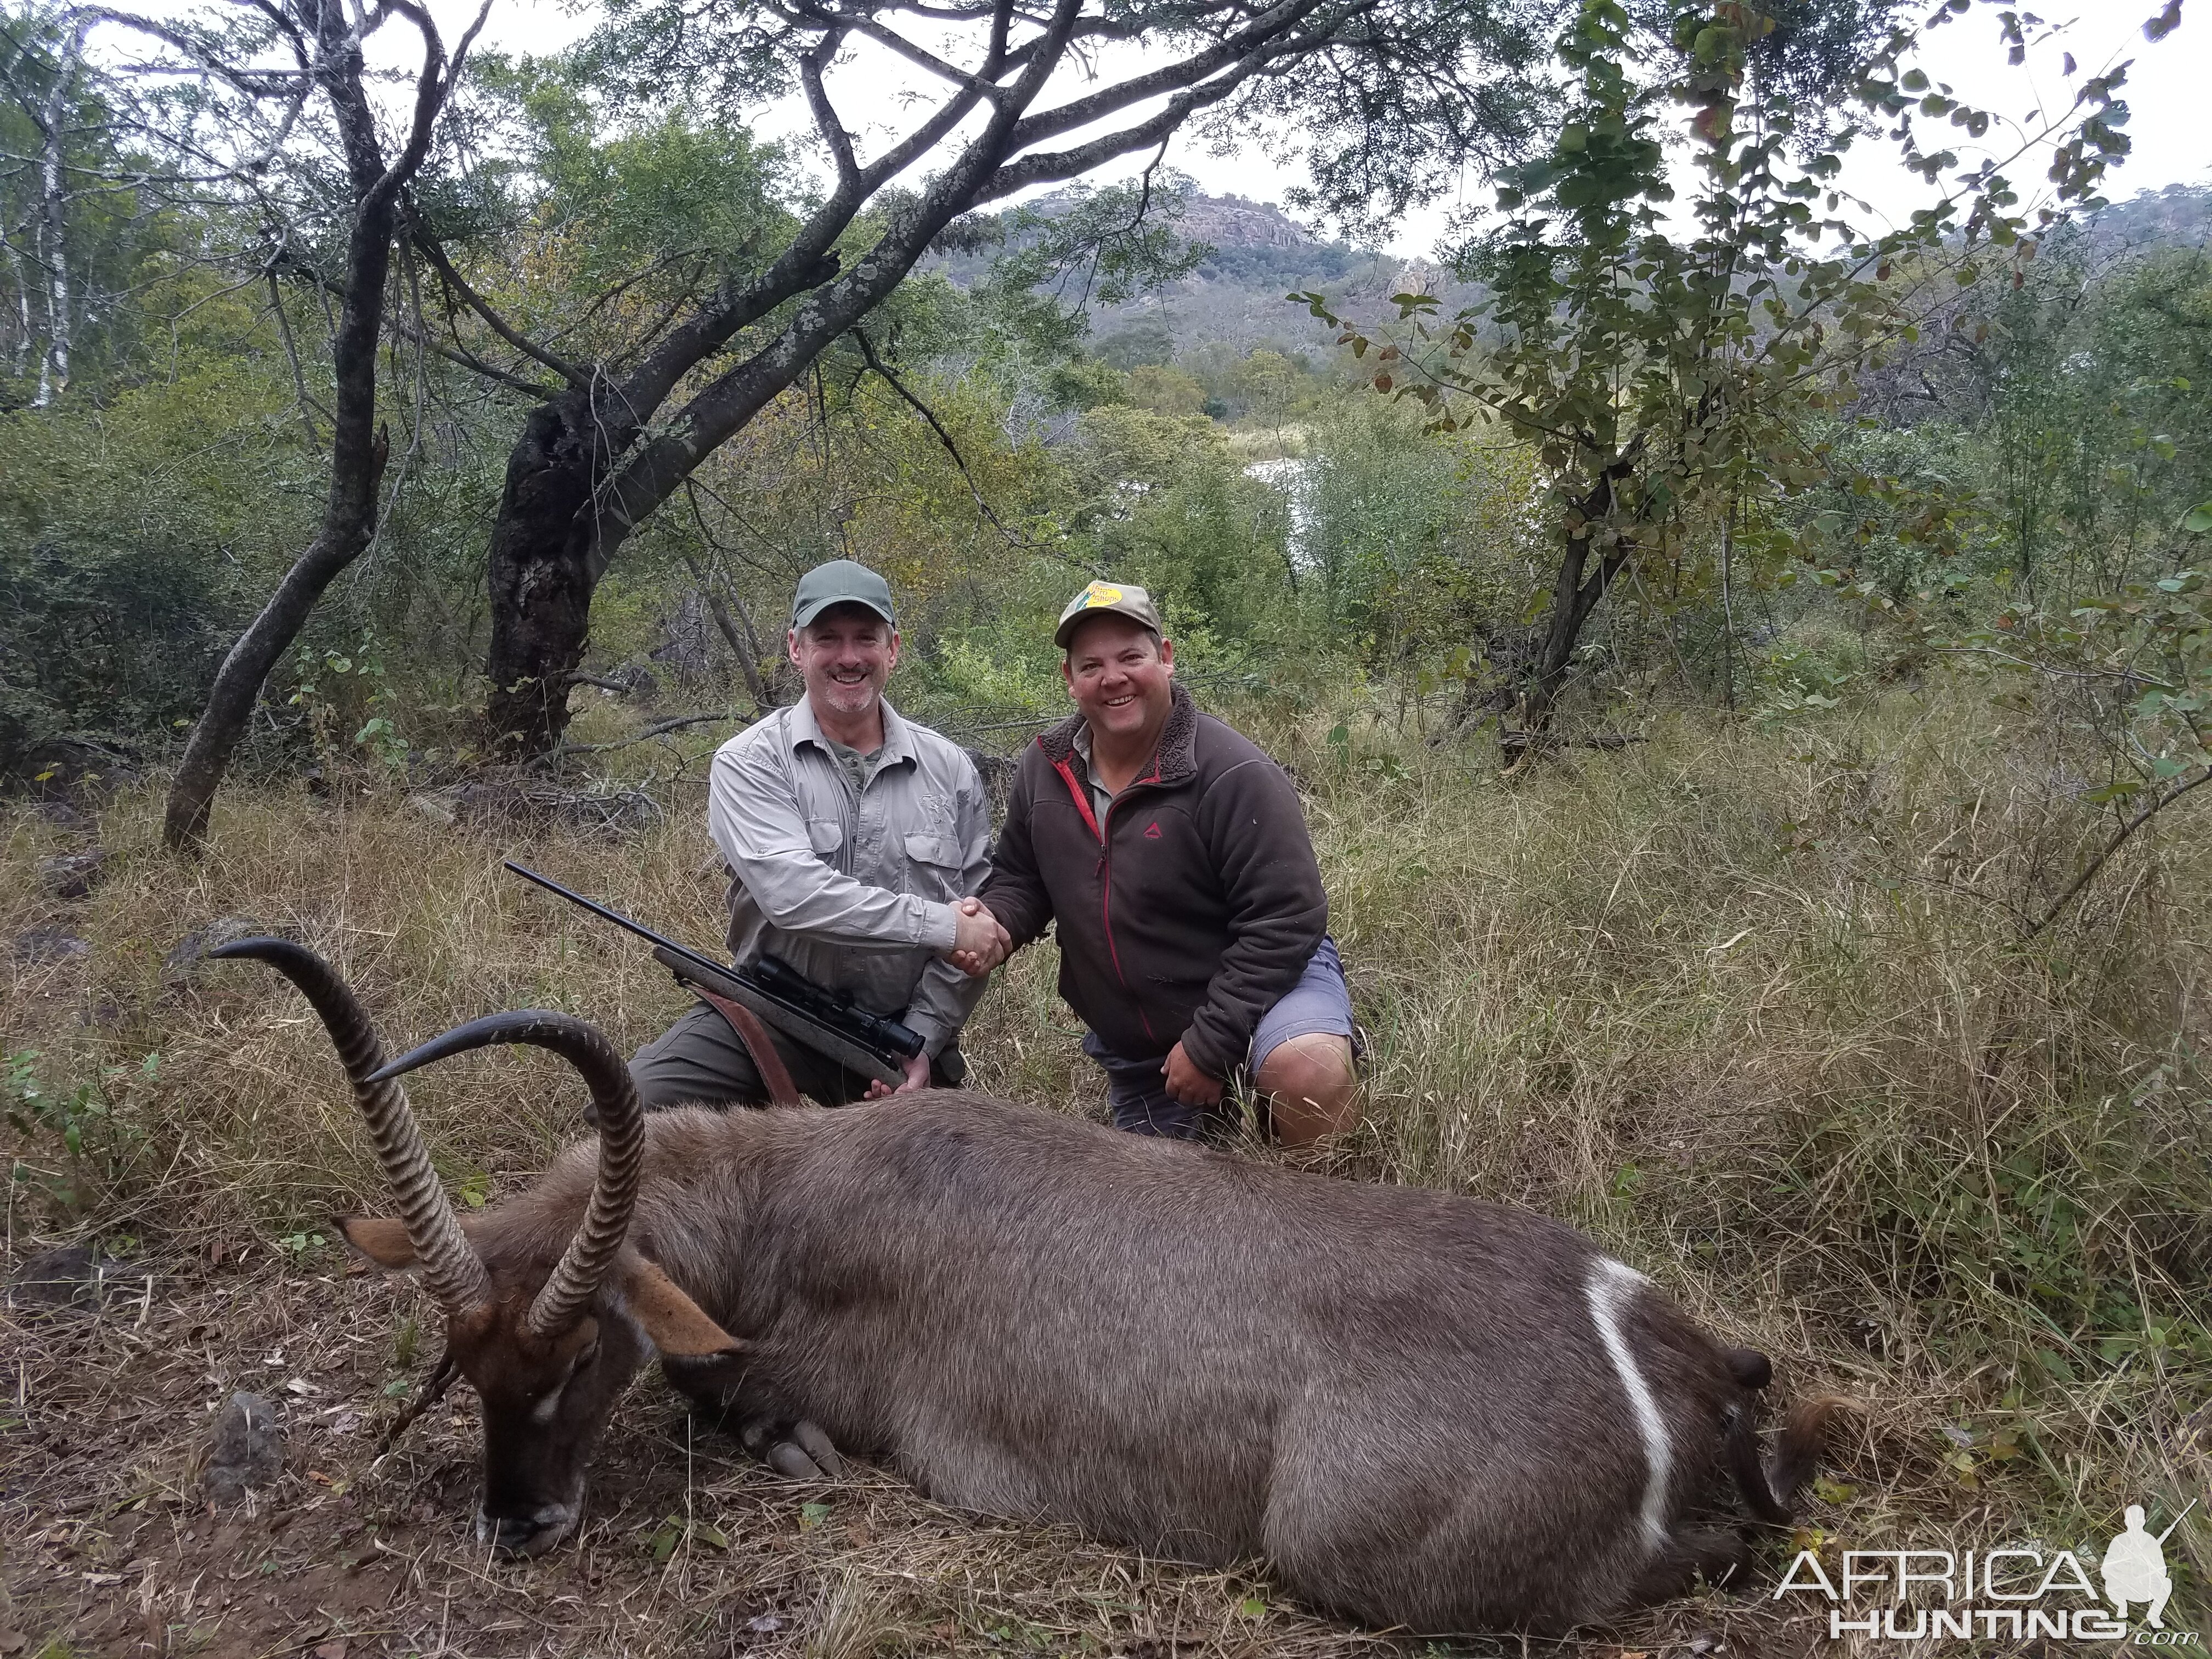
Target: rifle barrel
614,916
2178,1520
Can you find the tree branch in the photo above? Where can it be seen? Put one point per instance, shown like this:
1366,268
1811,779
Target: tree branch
658,729
826,121
2157,804
868,355
498,325
919,56
1269,25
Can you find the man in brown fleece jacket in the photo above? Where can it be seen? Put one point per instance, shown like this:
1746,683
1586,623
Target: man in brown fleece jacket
1173,856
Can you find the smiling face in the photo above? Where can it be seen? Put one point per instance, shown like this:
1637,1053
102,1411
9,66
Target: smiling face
1118,670
845,655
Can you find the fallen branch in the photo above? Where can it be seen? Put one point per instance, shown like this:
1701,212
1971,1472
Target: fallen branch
1518,742
658,729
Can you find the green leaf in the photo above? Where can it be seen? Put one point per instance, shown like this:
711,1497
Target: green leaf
665,1540
2198,519
811,1516
1251,1607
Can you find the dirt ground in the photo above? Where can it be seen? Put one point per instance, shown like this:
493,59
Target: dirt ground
690,1546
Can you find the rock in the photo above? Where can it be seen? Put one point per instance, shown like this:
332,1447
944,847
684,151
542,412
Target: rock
44,945
435,805
71,875
997,773
246,1450
66,1277
187,961
64,817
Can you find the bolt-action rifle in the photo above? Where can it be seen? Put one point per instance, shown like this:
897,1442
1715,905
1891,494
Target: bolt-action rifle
808,1013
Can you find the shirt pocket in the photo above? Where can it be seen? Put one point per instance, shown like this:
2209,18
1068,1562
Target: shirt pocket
932,863
825,836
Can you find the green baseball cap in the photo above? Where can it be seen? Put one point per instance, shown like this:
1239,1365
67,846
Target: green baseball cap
841,582
1118,598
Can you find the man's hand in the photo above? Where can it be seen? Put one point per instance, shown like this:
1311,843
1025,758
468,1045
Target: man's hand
1187,1082
980,941
917,1077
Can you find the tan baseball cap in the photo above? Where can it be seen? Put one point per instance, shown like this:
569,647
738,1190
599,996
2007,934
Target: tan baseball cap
1119,598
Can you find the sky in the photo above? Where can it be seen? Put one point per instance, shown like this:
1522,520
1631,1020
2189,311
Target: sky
2170,127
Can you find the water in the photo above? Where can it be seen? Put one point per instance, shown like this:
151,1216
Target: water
1293,476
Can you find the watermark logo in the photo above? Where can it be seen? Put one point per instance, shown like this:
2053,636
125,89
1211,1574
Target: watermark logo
2018,1593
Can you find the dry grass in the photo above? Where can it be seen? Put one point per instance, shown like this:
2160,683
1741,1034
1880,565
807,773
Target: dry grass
1749,1006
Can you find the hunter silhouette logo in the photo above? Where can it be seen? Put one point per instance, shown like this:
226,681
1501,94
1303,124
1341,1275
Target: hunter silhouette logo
2134,1567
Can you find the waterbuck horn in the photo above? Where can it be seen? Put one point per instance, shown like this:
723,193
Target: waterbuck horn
449,1263
622,1145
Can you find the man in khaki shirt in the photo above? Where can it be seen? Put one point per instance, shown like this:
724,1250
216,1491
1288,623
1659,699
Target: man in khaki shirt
854,839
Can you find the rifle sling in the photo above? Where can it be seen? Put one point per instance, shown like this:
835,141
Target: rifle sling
761,1046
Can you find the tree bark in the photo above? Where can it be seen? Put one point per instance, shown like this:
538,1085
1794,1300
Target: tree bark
542,574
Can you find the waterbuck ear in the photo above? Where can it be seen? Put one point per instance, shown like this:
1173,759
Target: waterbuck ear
382,1239
676,1325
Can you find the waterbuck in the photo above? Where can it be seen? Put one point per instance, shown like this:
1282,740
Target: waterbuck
1421,1409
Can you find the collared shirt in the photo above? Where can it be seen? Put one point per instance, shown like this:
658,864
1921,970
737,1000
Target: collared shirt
854,886
1101,796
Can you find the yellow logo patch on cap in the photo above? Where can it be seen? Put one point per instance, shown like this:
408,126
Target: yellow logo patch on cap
1101,593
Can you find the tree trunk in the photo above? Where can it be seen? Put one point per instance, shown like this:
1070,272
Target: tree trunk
1568,612
543,567
53,239
222,724
1573,599
359,447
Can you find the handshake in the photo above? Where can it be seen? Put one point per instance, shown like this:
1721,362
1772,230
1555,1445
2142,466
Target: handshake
981,941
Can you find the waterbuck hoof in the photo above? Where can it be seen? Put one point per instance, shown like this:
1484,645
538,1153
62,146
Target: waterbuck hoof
816,1445
799,1451
788,1459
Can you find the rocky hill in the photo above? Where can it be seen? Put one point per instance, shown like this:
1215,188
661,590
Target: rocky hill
1259,253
